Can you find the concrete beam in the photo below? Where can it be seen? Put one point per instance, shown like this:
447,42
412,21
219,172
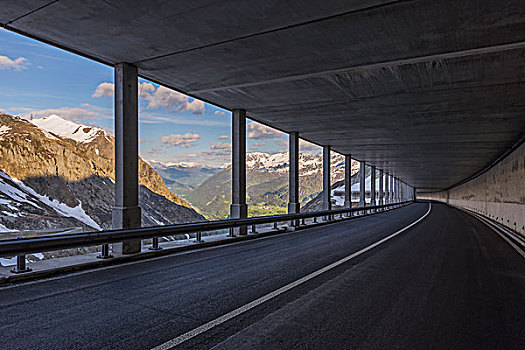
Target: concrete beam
239,209
327,203
293,182
348,181
126,213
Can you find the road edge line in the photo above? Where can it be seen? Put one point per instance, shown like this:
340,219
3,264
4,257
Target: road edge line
242,309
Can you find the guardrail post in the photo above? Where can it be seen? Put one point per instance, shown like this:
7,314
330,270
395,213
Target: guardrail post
20,265
198,237
104,253
275,227
254,228
155,244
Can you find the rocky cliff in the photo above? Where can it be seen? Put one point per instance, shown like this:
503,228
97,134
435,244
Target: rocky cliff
73,164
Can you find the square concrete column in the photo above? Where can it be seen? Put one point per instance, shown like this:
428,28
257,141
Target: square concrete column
372,185
348,181
393,189
397,194
293,172
381,188
414,194
362,188
327,204
126,213
387,189
239,209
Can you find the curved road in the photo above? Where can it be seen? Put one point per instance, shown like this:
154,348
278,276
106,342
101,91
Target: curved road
447,282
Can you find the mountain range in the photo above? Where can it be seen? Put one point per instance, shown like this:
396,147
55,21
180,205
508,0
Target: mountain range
267,184
58,174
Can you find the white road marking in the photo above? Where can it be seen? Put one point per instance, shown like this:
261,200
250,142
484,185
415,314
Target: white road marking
232,314
496,229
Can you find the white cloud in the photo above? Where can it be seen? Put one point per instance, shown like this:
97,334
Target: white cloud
196,107
305,146
220,145
258,131
173,101
224,137
219,113
108,89
68,113
141,140
183,141
17,64
149,118
104,90
145,88
162,97
259,144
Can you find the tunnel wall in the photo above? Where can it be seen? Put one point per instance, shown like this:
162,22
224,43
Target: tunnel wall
498,194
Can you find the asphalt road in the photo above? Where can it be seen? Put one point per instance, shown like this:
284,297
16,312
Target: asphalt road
447,282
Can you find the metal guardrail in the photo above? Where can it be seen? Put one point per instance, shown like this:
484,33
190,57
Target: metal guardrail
22,246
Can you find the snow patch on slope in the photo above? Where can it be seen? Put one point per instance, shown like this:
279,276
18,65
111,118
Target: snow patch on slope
63,209
4,129
68,129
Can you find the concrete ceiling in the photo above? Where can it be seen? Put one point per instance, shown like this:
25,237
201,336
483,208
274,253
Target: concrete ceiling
430,91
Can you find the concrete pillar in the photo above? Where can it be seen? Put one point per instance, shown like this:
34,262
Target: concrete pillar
126,212
373,186
414,194
348,181
293,182
381,188
239,209
327,204
362,178
394,190
387,189
398,194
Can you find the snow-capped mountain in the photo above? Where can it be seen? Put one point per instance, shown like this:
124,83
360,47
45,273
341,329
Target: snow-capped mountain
267,188
57,126
308,164
57,173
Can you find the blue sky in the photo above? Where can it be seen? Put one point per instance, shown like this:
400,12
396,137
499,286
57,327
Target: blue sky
40,79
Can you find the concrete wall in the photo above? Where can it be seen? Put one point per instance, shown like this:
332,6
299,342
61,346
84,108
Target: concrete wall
498,193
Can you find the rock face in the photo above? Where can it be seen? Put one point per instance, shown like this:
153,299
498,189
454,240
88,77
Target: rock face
73,164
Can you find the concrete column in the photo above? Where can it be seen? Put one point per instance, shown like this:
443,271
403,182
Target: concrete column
239,209
327,204
387,189
126,212
397,194
373,186
293,182
362,189
414,194
381,188
348,181
394,193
